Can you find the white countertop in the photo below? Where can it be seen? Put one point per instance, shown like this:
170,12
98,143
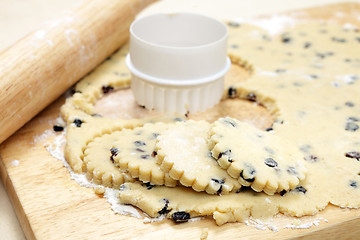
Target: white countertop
19,17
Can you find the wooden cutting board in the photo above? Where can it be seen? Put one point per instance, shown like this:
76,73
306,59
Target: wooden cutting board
50,205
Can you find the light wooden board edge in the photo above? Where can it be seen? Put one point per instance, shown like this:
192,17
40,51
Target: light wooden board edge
19,210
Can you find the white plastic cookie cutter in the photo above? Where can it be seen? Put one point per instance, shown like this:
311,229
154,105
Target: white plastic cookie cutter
178,61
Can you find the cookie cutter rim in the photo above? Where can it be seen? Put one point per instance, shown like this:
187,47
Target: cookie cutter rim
177,82
191,87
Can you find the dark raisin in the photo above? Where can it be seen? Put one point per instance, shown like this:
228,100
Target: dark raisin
73,91
114,151
251,97
269,129
270,162
230,122
107,89
187,114
282,193
180,217
280,70
243,188
234,24
307,45
142,106
165,209
339,40
311,158
179,119
226,153
320,55
221,181
139,143
58,128
351,127
247,179
139,150
300,189
153,154
149,186
96,115
285,39
232,92
349,104
353,184
291,170
218,192
353,154
353,119
78,122
145,156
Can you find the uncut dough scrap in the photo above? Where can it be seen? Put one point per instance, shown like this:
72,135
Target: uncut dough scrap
301,74
308,77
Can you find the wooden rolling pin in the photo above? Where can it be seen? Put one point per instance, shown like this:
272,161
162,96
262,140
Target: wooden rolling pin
43,65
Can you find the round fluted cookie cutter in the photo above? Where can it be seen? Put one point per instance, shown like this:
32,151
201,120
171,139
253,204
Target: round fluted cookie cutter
178,61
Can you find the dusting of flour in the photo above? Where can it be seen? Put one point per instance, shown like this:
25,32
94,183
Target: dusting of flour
56,149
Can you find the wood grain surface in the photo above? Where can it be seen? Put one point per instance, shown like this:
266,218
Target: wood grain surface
50,205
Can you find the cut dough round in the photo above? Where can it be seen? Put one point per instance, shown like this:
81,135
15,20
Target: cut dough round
183,152
99,166
133,152
256,158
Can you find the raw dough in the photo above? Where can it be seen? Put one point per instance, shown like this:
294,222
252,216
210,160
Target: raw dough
256,158
307,78
183,152
134,153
